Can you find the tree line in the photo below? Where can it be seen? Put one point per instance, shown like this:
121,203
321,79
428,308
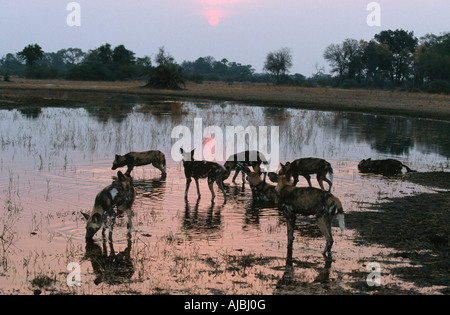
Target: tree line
392,59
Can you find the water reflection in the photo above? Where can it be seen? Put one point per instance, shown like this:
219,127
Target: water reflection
202,221
110,268
54,160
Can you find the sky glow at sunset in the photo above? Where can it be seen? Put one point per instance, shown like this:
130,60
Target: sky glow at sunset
238,30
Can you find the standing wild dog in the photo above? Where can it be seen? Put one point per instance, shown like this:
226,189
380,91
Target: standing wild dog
385,167
121,194
308,166
132,159
308,201
203,169
238,161
261,190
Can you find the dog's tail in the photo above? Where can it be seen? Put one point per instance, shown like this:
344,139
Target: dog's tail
339,213
341,221
264,162
408,169
331,173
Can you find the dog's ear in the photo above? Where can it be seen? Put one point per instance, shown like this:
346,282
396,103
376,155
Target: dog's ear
265,175
97,218
120,176
274,177
85,215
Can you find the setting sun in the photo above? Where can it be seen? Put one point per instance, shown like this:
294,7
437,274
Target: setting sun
215,10
214,20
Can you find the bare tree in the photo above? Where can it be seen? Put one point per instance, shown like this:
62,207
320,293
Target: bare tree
278,63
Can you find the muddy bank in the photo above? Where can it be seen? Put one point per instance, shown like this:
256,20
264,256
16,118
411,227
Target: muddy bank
50,92
418,227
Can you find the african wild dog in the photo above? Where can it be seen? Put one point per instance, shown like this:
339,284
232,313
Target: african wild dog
238,161
385,167
307,166
203,169
121,194
308,201
261,190
132,159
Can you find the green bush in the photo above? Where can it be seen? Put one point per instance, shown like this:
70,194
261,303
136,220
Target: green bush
196,78
168,76
349,84
91,71
438,86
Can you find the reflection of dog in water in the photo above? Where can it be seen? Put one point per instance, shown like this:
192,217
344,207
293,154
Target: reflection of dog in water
113,268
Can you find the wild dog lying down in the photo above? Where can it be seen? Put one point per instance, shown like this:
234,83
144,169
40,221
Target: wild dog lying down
261,190
203,169
308,201
121,194
385,167
307,166
238,161
132,159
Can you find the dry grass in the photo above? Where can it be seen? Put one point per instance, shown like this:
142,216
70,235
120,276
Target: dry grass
373,101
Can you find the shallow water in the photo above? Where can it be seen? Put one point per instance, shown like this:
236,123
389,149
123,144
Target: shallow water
54,161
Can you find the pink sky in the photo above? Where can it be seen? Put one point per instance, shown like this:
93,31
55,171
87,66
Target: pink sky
239,30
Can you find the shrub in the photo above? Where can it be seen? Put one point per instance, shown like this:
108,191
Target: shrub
169,76
438,86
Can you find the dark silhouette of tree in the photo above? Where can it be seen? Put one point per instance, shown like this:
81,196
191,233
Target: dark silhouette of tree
402,45
345,59
278,64
31,53
168,74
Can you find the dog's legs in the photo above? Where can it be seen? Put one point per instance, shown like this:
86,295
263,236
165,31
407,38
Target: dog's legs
236,173
105,217
211,188
198,188
324,223
290,220
129,224
111,225
128,172
330,183
161,168
219,182
295,179
308,178
320,180
243,177
188,183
